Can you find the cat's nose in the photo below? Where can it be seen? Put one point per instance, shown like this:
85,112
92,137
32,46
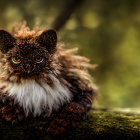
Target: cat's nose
28,68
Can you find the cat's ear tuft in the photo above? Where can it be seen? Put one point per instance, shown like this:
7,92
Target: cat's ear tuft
48,39
6,41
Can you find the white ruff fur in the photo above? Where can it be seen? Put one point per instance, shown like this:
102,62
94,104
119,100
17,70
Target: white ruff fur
36,98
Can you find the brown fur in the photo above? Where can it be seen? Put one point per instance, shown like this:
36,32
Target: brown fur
70,69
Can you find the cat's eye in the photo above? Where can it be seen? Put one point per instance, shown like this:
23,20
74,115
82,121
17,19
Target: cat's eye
16,59
39,59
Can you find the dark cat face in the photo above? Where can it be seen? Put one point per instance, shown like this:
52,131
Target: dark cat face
29,56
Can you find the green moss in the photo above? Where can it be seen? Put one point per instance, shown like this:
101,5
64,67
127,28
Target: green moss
101,124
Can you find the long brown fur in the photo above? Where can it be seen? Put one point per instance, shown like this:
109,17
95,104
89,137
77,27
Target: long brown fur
70,69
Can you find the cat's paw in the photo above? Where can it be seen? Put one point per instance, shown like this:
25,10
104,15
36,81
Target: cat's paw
69,118
9,111
57,126
61,125
12,114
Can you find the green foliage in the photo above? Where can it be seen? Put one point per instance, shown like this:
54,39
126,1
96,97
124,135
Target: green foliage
107,32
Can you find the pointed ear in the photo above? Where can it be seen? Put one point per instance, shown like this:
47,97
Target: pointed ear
48,39
6,41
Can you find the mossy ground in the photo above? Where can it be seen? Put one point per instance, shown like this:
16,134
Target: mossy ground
101,124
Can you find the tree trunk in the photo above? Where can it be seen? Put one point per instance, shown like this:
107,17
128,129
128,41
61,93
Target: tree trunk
101,124
67,11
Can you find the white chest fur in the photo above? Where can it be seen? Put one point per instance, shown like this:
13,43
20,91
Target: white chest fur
35,98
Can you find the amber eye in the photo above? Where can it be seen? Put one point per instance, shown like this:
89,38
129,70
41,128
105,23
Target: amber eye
16,59
39,59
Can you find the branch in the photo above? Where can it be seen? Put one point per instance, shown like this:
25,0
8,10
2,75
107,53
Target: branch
66,13
101,124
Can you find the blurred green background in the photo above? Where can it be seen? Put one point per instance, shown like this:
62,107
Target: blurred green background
106,31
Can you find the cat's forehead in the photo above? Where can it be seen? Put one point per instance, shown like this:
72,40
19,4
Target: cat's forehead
26,43
27,46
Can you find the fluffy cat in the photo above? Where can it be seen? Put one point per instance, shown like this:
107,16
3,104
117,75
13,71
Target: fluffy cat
38,77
